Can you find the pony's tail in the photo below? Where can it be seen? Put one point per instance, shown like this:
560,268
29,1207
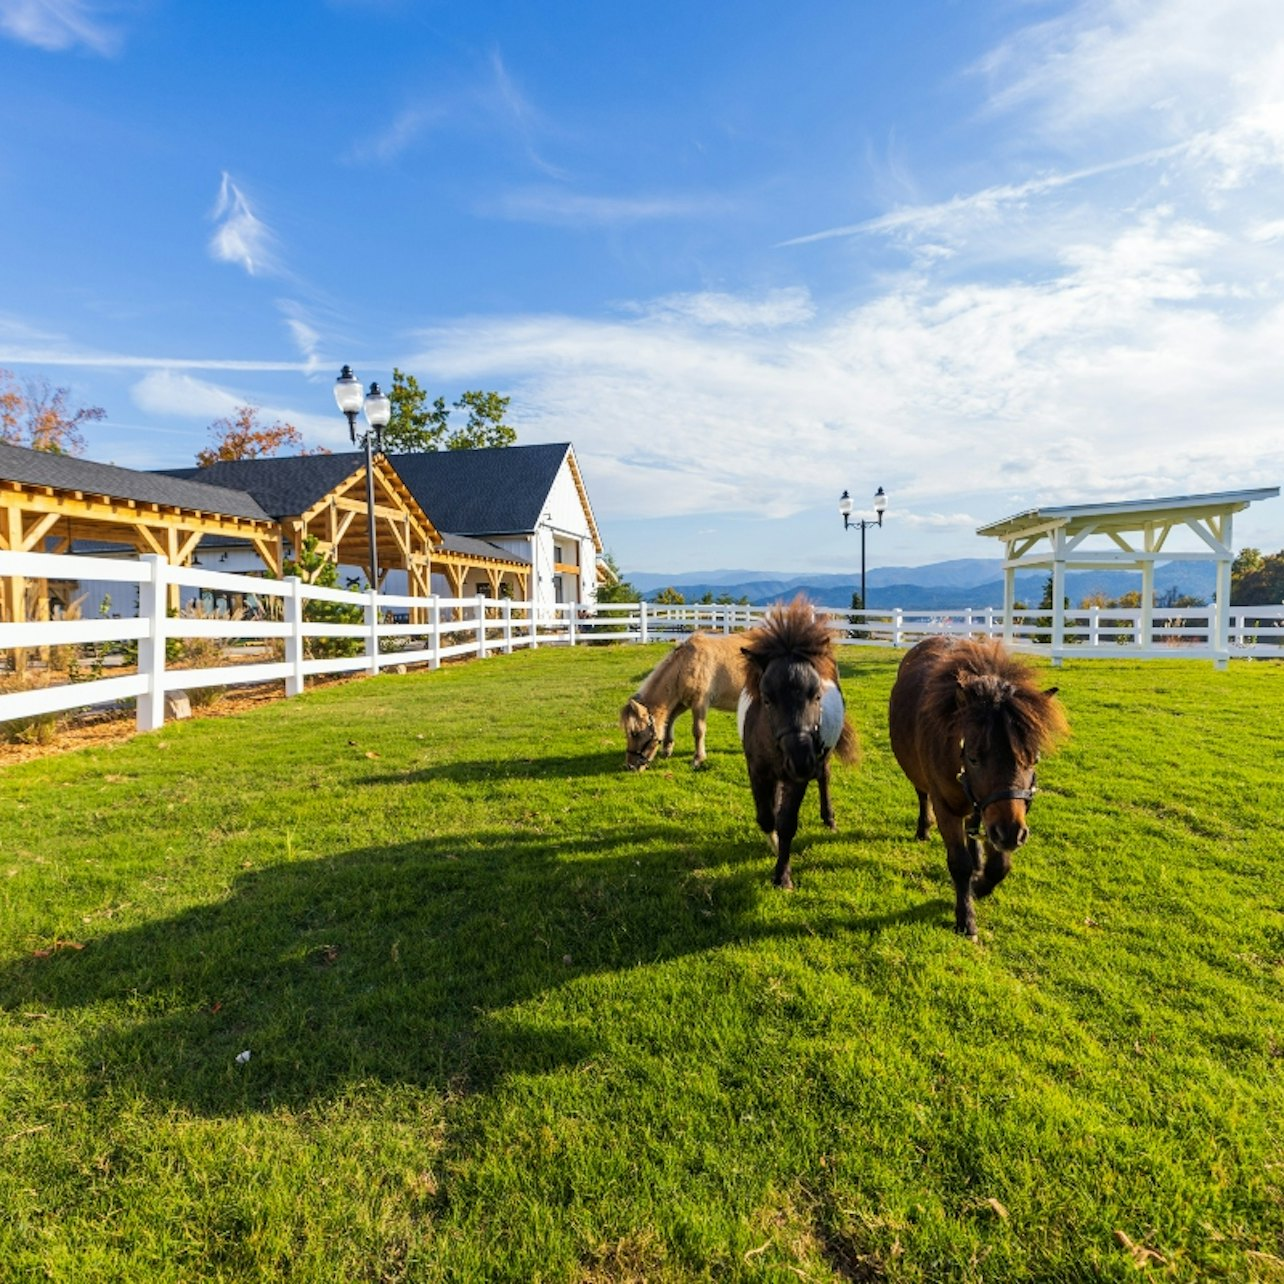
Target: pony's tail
848,747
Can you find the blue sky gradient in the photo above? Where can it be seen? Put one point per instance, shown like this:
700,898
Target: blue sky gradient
987,254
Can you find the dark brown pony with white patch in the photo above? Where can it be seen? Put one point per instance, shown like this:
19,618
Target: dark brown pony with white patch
791,718
968,723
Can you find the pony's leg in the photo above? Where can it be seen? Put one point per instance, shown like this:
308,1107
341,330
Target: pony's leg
826,807
666,745
699,716
791,796
763,786
959,857
925,817
998,865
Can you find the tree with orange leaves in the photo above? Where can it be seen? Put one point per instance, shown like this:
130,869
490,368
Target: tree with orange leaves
36,416
241,436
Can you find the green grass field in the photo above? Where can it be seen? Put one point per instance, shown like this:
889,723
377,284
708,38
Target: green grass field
515,1014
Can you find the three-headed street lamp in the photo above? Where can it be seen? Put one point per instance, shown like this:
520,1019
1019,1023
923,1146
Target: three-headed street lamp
378,410
845,508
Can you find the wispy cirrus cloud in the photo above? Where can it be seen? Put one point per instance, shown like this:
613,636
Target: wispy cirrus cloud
241,236
981,205
56,25
564,208
529,123
405,129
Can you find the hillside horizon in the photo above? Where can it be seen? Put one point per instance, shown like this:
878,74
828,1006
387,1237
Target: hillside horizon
955,584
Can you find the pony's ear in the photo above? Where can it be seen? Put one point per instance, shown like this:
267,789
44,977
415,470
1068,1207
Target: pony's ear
963,692
632,712
1051,691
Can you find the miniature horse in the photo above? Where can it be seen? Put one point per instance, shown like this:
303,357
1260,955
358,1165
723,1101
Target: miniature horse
791,717
968,723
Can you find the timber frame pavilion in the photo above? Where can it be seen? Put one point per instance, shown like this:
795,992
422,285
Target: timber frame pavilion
50,503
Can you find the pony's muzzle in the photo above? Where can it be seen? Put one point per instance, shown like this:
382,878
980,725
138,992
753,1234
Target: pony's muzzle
1008,833
799,753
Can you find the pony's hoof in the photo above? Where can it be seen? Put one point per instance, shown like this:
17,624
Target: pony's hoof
831,824
699,764
785,884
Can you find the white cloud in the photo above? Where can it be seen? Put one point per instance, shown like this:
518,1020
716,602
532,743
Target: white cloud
241,236
1119,371
174,395
56,25
1210,76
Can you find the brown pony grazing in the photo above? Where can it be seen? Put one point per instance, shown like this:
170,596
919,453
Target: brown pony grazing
968,723
707,670
791,717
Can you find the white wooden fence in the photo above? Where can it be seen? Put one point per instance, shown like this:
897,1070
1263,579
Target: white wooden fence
285,645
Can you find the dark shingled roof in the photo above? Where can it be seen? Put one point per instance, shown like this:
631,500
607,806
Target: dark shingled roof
479,548
173,490
284,487
496,491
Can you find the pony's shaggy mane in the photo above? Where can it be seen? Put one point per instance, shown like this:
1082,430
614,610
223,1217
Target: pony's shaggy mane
978,687
793,632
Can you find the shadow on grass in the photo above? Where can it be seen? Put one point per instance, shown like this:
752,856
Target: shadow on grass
543,767
399,965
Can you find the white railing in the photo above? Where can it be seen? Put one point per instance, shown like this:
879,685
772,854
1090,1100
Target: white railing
140,658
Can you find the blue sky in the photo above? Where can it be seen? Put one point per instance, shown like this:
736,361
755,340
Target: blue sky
987,254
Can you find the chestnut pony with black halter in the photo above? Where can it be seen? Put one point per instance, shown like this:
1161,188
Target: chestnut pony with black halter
791,718
968,723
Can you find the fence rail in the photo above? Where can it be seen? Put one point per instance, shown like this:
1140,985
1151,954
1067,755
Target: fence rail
287,642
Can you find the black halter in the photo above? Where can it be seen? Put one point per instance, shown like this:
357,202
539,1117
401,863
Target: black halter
640,755
973,824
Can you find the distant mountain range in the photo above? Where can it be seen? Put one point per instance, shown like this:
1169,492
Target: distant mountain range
970,581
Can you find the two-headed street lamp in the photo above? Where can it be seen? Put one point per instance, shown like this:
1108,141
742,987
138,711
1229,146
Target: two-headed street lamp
845,508
378,410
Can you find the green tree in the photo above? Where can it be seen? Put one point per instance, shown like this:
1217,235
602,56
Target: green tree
415,424
670,597
621,590
1257,580
485,426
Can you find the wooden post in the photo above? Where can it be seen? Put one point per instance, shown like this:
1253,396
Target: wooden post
434,625
294,643
152,600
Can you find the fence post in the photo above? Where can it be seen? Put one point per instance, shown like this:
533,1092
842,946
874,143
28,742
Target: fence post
294,643
573,615
642,622
153,594
508,625
479,605
898,621
534,626
434,624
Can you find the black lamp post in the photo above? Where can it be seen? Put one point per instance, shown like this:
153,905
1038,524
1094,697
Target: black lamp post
378,409
845,508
